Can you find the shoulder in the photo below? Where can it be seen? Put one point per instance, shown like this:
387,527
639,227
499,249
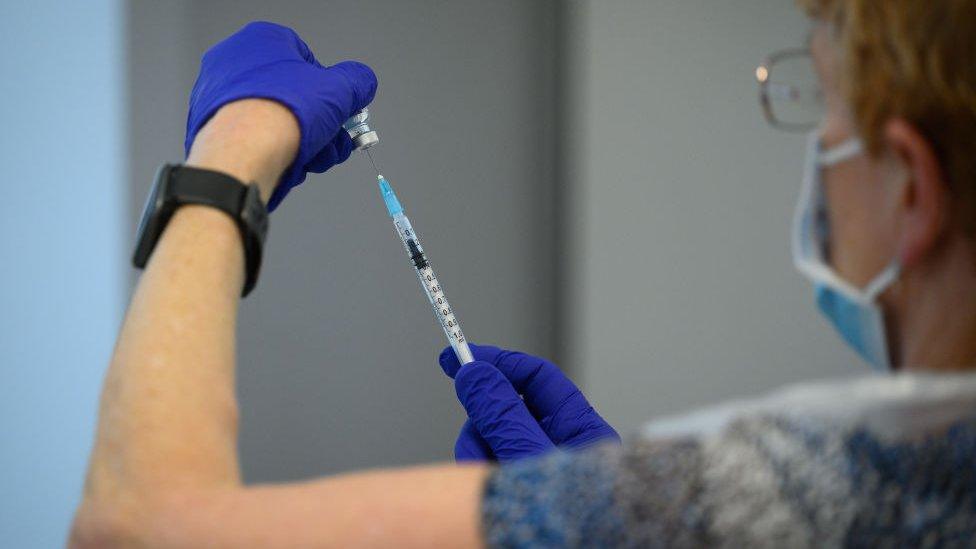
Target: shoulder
870,460
889,405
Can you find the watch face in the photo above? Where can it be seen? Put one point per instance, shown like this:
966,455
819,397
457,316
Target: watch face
146,237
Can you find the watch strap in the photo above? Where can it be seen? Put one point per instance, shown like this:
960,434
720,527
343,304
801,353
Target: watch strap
182,185
208,188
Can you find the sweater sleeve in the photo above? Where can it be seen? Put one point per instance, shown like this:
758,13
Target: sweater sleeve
762,481
597,498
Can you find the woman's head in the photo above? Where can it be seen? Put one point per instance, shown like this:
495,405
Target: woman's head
897,80
913,60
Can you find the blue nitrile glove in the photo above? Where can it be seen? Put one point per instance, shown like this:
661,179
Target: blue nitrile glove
503,425
269,61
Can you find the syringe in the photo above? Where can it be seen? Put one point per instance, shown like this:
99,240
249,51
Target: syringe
428,280
363,138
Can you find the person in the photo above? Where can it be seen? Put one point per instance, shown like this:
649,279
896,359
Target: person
884,228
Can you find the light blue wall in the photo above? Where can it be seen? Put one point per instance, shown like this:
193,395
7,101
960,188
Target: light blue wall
61,257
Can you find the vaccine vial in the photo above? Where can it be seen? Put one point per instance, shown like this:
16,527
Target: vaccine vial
362,136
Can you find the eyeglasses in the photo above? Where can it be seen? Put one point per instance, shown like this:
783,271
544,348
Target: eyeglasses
789,91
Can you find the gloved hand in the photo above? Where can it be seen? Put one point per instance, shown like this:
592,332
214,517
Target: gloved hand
269,61
503,426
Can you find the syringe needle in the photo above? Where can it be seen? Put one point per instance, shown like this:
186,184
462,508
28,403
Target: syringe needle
371,161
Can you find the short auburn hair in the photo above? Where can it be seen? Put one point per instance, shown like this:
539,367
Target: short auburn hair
916,60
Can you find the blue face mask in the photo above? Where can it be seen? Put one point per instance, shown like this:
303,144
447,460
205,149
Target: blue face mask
854,312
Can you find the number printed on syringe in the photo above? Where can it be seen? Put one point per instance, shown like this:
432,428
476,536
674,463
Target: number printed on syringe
441,307
435,294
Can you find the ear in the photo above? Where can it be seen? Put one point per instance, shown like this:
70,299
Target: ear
925,201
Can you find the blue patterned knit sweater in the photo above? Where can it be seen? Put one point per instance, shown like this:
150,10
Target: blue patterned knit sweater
885,461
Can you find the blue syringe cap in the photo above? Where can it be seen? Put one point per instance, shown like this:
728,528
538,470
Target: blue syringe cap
389,197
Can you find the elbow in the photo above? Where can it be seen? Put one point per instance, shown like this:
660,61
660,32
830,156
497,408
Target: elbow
98,524
170,519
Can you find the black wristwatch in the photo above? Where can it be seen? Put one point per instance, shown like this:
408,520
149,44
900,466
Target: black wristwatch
177,186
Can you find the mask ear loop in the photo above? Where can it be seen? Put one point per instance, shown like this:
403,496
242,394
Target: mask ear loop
801,223
807,258
883,280
809,261
849,148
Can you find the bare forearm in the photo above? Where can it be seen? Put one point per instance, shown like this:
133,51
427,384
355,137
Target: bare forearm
168,413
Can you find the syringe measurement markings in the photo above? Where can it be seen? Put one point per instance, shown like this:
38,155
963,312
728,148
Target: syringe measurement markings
430,283
442,307
439,302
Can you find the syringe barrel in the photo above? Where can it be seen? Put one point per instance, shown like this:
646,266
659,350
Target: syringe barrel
432,289
463,353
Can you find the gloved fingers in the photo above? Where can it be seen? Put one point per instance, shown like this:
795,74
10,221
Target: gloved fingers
449,361
470,446
335,152
337,103
292,177
545,388
498,413
302,48
287,35
487,353
577,427
343,145
564,412
357,82
258,43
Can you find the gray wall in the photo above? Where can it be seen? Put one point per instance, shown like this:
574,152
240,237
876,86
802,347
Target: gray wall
338,345
680,290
